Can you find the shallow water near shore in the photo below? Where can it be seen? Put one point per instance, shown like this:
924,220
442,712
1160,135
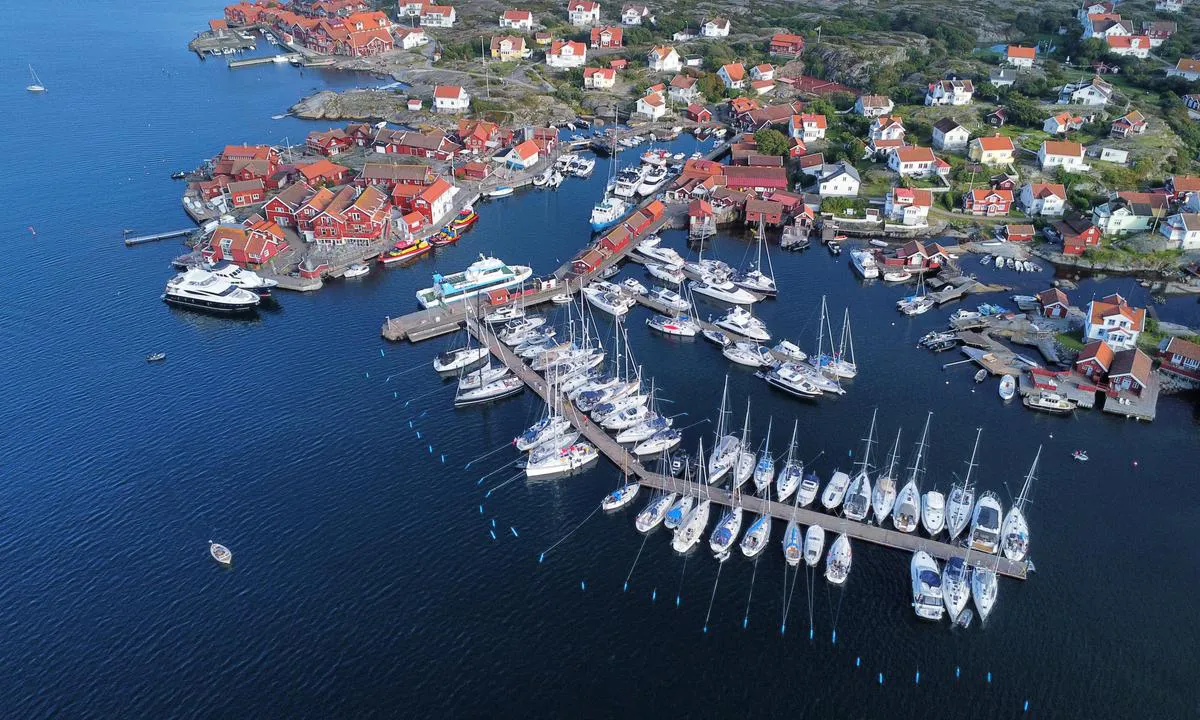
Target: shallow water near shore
365,580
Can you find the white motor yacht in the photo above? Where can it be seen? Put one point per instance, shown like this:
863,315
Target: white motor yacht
666,273
682,325
200,289
793,379
926,587
243,278
838,561
863,262
633,287
652,250
985,524
628,182
613,303
835,491
814,545
560,459
809,487
739,321
723,290
668,298
933,512
652,181
744,353
790,350
455,360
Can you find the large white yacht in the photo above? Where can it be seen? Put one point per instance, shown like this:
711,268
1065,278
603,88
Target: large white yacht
201,289
926,587
243,278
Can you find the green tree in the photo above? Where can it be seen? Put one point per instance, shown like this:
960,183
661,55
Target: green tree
712,87
771,142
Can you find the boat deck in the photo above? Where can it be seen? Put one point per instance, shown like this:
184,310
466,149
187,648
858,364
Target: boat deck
622,458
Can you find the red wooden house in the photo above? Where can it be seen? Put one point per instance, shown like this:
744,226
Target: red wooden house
351,218
786,44
388,175
699,113
323,172
1094,360
1075,234
481,136
432,145
250,246
246,192
282,208
329,142
1019,233
311,208
1054,303
988,202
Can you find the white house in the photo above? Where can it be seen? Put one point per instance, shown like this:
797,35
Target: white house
1045,199
913,161
1183,228
442,16
949,135
450,99
566,54
838,180
517,20
1019,56
583,13
409,38
683,89
808,127
1062,123
733,75
766,71
1086,92
1105,24
1170,6
1115,322
1130,212
633,14
873,105
1002,77
1137,46
599,78
908,206
886,127
950,92
1187,69
1061,153
715,28
663,58
523,156
410,8
653,105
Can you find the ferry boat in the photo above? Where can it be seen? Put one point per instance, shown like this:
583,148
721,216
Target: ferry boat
405,251
243,278
200,289
486,273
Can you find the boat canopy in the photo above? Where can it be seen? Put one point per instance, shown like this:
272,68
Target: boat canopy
930,578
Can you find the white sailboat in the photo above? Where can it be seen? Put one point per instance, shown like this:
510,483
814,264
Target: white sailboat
984,589
36,86
743,467
793,540
691,529
654,512
962,497
842,365
826,378
956,586
1015,531
622,496
814,545
858,496
837,562
755,280
764,469
758,533
793,470
883,498
926,587
728,528
680,508
907,512
727,448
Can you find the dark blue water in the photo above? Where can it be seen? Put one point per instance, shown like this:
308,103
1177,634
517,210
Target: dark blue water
366,582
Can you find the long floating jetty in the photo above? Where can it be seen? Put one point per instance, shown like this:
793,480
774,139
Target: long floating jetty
622,458
142,239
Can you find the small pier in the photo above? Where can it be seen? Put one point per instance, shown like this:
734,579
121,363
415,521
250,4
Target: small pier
622,458
131,240
265,60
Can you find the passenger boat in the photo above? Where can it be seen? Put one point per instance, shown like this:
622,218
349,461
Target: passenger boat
608,212
356,270
837,562
857,504
814,545
883,497
405,251
985,524
962,498
907,512
200,289
863,262
984,589
933,512
739,321
1052,403
926,587
243,278
1015,530
483,275
467,217
835,491
1008,387
220,553
956,586
504,387
682,325
789,478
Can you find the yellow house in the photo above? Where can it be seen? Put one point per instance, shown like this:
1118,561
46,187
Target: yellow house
995,150
509,47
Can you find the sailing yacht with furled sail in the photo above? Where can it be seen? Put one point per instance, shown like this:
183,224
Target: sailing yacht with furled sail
984,589
962,497
793,470
743,467
764,469
956,586
755,280
728,528
758,533
691,529
654,512
837,562
1015,530
793,540
842,364
727,448
907,512
858,496
883,498
36,86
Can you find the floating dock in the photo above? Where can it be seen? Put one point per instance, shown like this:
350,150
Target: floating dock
266,60
143,239
622,458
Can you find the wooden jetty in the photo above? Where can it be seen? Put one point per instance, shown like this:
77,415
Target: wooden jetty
622,458
142,239
265,60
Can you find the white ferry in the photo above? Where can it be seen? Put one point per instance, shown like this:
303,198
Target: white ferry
483,275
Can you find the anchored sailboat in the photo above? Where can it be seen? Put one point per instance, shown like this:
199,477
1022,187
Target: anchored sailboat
1015,530
962,497
36,86
727,448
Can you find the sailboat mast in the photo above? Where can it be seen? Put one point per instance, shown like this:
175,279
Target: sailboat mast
1028,480
916,468
868,440
971,463
895,452
746,424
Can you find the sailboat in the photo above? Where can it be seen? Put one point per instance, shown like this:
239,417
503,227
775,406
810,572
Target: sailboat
727,448
956,586
837,562
743,467
654,512
682,507
838,365
551,428
36,86
962,497
692,527
764,470
728,528
1015,531
793,470
758,534
825,381
611,208
984,589
926,587
622,496
755,280
858,497
814,545
916,304
908,504
883,498
793,540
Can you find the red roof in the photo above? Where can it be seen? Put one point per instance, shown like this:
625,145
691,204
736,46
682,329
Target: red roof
526,150
995,143
914,154
517,15
1026,53
322,168
735,71
447,92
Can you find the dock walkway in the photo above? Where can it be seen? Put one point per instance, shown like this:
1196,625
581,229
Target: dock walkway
622,458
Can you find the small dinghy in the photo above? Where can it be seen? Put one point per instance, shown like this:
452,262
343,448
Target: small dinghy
156,357
220,553
1008,387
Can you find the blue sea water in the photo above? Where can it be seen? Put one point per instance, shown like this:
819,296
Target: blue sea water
366,581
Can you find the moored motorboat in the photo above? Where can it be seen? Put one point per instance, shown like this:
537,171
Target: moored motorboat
1008,387
864,263
1048,402
809,487
723,290
835,491
356,270
666,273
985,524
681,325
200,289
790,350
740,322
926,587
500,191
744,353
793,379
933,512
814,545
405,251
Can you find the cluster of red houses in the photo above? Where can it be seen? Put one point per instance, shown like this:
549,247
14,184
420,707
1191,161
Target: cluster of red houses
332,27
617,239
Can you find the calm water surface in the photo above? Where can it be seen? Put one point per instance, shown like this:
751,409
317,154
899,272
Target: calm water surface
366,581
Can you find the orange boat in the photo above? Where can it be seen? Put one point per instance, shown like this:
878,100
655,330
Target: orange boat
405,251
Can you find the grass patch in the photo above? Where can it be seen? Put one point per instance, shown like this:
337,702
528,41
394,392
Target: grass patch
1069,341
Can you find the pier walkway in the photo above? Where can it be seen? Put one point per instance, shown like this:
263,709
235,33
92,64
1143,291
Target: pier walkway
622,458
